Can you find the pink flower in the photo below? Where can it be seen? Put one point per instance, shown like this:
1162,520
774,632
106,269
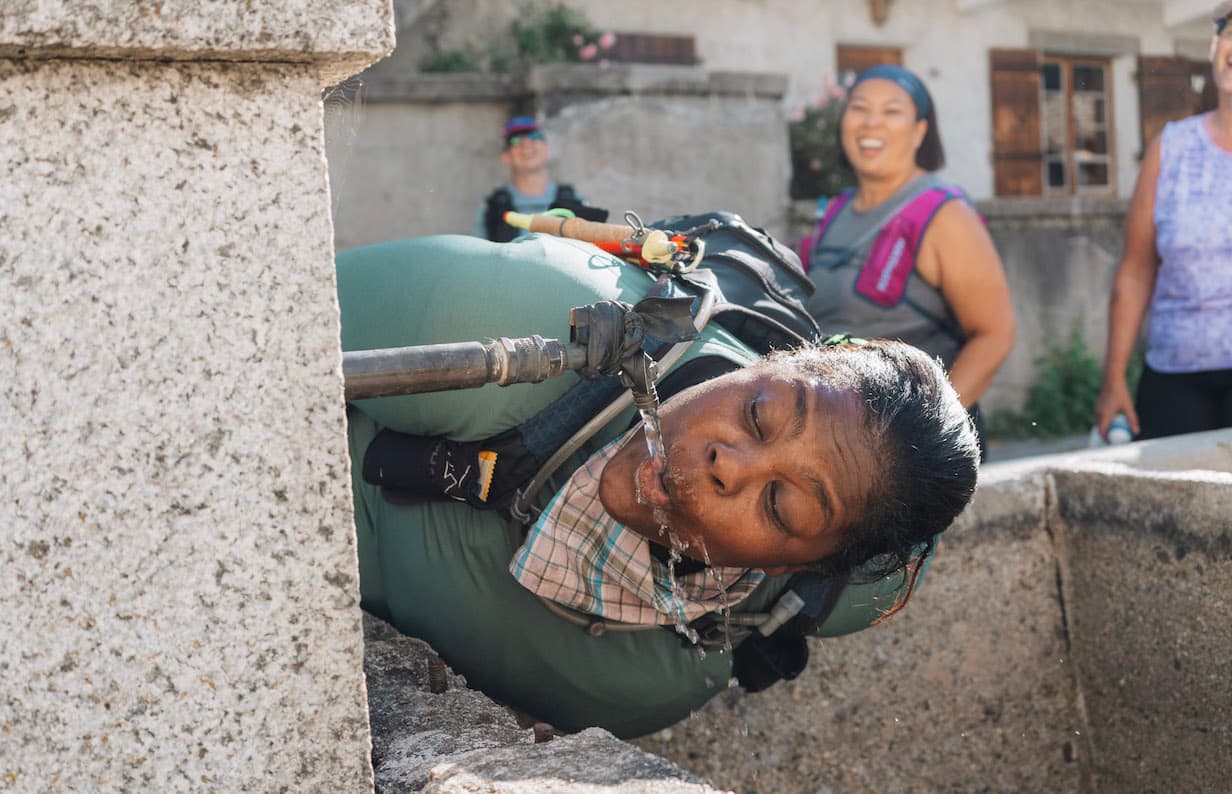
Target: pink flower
588,52
578,40
797,112
607,40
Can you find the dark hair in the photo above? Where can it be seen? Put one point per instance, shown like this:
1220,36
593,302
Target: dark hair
926,447
931,154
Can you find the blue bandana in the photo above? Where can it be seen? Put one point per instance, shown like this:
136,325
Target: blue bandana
903,79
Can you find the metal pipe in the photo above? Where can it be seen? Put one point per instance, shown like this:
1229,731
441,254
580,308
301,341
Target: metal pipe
457,365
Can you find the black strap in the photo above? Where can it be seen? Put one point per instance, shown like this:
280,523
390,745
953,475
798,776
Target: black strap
567,198
761,661
499,202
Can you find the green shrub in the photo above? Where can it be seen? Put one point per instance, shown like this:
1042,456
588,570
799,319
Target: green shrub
447,61
551,34
538,34
813,133
1061,401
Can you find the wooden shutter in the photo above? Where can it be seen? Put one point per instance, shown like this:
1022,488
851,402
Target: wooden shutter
652,48
855,59
1164,93
1018,166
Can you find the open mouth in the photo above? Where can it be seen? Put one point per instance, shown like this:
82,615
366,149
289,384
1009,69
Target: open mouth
651,483
870,146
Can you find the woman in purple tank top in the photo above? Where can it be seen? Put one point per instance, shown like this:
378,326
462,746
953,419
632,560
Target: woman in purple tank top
1176,272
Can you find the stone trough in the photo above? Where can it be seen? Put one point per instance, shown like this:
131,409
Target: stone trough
1074,635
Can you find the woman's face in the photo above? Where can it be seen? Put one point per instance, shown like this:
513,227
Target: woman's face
766,466
880,131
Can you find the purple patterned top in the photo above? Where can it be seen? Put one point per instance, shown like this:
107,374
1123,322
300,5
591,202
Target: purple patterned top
1190,326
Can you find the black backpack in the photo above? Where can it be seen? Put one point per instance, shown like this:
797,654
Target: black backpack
764,287
500,201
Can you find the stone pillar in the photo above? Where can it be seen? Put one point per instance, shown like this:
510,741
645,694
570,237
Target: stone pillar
177,553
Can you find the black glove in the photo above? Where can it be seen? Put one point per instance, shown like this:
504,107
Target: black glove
484,474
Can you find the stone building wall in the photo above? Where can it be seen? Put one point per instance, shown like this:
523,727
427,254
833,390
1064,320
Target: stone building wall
415,154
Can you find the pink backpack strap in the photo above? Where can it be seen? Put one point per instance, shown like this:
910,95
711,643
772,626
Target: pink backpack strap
805,247
883,279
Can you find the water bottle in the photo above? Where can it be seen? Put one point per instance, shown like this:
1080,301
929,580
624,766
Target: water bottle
1118,430
1118,433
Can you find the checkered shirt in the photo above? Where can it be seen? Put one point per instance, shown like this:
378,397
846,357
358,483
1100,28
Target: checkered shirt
579,556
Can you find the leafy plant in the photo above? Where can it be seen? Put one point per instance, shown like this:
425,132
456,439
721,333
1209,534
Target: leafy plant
553,34
813,132
1061,401
447,61
538,34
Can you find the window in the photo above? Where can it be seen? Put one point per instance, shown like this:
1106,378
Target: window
652,48
1052,124
852,59
1075,121
1052,117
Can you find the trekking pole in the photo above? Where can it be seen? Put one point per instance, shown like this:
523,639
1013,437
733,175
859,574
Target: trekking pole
648,246
457,365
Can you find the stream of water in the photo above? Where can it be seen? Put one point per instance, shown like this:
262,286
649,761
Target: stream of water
654,443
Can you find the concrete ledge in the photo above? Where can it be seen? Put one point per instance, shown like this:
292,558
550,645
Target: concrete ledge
381,86
1074,207
652,79
343,36
384,85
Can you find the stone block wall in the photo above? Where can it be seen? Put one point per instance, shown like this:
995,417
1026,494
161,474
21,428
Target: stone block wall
413,155
180,586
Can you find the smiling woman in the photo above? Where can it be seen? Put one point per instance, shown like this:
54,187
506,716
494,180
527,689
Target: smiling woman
826,458
904,255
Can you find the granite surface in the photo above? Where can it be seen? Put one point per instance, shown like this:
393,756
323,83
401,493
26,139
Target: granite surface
430,733
340,36
180,587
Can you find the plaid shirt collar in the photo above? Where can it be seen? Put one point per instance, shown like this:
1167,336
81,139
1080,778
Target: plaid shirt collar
579,556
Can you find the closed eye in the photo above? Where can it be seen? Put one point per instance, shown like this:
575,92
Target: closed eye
772,507
755,419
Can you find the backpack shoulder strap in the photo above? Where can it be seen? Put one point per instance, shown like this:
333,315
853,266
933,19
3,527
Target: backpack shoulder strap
805,247
499,202
891,260
565,192
921,209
